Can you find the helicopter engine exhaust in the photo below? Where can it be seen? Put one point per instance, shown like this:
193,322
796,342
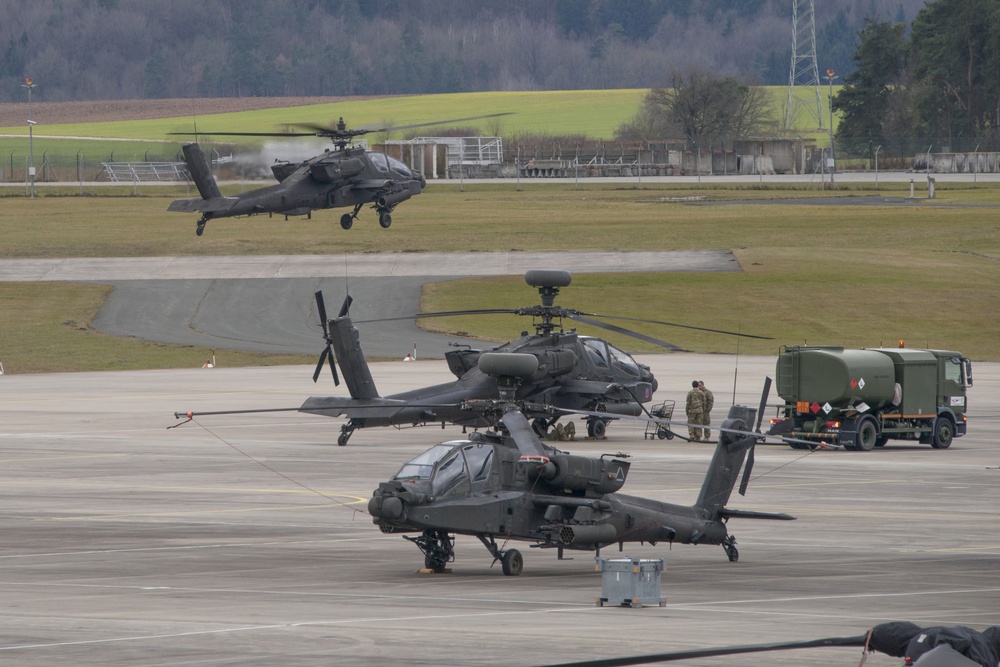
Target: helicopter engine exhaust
582,473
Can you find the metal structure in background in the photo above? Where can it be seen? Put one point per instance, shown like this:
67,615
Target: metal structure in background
803,71
830,76
474,157
28,85
130,172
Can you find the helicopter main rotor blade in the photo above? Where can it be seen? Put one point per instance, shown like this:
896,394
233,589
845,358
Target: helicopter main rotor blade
671,324
333,131
245,134
627,332
523,435
444,313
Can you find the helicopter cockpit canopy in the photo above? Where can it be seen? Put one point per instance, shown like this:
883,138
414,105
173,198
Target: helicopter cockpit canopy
385,163
448,464
602,353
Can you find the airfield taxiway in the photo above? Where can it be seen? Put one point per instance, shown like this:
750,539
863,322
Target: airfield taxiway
243,540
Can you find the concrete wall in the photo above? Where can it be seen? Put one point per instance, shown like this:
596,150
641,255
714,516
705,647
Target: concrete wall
958,163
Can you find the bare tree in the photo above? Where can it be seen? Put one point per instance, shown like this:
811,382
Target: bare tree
707,109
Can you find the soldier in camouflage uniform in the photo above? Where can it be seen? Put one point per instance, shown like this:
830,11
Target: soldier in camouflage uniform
709,404
695,409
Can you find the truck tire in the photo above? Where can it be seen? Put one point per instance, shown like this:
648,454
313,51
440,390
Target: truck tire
867,436
944,433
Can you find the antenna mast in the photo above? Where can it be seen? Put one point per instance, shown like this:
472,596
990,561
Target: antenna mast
804,70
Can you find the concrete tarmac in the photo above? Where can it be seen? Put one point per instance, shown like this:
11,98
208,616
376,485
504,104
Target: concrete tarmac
243,540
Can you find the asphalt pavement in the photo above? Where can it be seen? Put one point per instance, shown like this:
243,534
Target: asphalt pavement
244,540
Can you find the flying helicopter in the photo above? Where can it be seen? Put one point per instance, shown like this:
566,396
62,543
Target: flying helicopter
506,484
572,371
344,176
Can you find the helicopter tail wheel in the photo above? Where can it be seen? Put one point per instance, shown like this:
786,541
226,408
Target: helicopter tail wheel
512,562
346,220
200,226
729,545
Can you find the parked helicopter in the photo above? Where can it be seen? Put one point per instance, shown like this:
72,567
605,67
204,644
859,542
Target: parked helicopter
572,371
344,176
509,485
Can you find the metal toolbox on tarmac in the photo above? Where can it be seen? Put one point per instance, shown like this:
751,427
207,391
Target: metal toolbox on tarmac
630,582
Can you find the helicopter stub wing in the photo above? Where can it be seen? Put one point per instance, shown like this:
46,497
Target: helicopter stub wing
610,390
372,184
214,205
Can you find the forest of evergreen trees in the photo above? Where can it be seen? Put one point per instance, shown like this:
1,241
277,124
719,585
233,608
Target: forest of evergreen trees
131,49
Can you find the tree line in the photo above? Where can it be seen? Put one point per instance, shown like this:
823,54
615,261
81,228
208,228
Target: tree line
931,85
935,85
134,49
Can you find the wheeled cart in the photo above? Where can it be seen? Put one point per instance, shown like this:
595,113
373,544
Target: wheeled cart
664,410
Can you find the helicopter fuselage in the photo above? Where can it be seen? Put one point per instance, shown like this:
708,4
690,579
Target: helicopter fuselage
487,489
574,373
335,178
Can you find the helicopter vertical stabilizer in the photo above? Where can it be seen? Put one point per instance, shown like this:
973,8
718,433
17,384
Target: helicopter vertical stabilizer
201,171
727,460
346,343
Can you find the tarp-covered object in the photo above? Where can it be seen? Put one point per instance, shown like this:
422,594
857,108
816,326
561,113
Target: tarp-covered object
902,639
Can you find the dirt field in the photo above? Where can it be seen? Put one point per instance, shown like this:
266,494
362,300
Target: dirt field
56,113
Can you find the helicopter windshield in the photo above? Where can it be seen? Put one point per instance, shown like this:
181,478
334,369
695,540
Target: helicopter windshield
422,466
399,167
623,360
596,349
383,162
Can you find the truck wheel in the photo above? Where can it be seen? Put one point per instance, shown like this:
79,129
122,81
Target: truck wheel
881,441
944,433
867,435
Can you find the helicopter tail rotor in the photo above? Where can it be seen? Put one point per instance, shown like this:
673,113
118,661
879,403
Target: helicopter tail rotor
748,468
327,353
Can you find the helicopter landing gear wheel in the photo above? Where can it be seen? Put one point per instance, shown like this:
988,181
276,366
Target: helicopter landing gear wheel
540,427
346,221
345,434
437,547
384,219
200,226
512,562
729,546
597,428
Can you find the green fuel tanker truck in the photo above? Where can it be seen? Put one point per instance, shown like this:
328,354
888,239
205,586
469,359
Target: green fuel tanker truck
860,399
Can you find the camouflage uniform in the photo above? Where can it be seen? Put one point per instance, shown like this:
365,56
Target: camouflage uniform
709,403
695,409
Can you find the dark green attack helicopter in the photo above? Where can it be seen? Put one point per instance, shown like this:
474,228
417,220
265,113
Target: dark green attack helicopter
571,371
340,177
507,484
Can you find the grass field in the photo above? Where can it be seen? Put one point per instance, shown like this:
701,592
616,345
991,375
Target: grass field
848,275
596,114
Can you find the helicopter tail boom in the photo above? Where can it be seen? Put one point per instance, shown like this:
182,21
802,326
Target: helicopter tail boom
727,461
201,171
346,343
